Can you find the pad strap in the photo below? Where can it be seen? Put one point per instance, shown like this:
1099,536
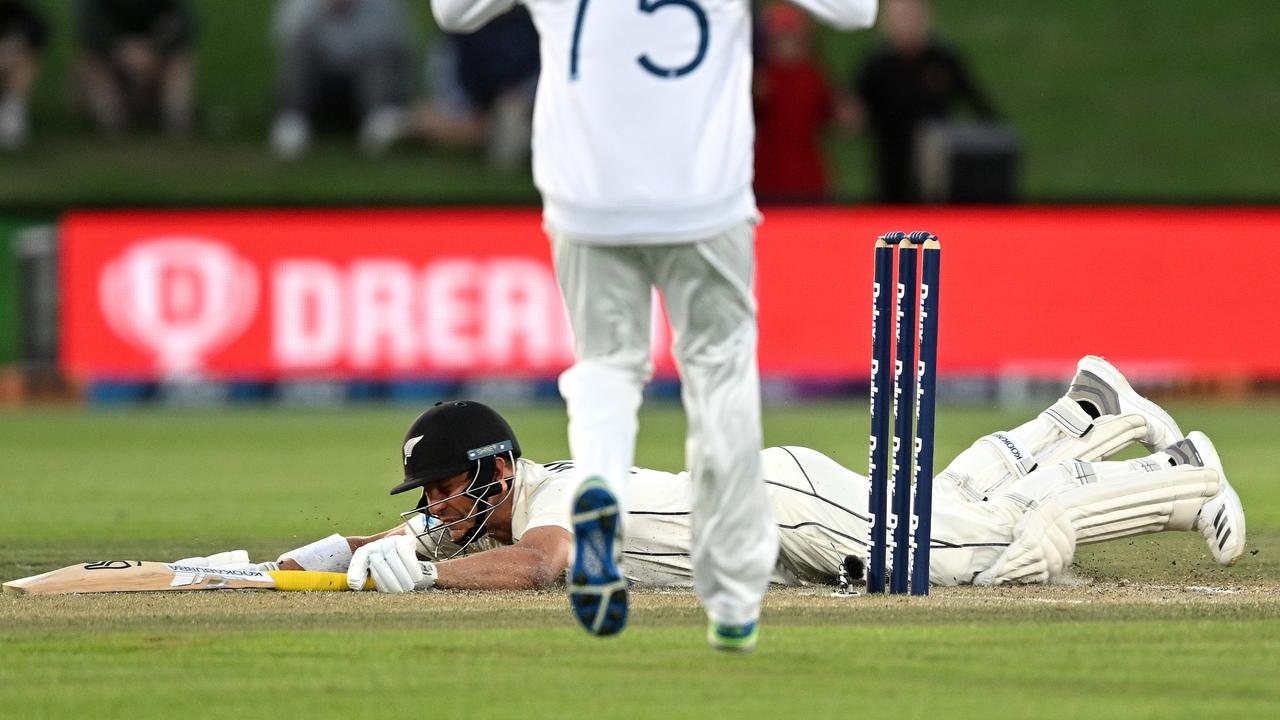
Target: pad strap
1069,417
1082,472
1018,459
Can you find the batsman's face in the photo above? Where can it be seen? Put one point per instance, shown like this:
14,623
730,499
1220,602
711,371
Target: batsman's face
448,503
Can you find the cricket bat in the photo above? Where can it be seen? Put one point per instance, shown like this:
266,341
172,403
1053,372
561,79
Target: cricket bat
139,576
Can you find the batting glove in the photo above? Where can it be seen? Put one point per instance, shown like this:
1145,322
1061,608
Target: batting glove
393,564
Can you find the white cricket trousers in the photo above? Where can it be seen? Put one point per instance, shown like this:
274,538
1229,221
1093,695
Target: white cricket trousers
706,288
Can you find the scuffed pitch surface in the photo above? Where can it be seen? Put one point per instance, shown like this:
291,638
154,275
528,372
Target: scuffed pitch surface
655,608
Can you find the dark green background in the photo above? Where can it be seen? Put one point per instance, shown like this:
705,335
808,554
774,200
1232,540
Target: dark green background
1134,101
10,224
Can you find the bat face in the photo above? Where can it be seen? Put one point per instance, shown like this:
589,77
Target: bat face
138,576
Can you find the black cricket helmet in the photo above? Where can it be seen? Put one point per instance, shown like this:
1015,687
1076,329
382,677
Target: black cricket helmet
448,439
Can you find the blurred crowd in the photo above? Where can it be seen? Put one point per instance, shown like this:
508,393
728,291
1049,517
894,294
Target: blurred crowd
356,67
351,66
132,67
910,82
23,35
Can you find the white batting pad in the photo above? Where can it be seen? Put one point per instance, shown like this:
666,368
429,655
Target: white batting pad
1082,502
1062,432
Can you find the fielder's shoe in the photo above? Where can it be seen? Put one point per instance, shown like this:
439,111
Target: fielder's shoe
733,638
1221,518
597,589
1098,383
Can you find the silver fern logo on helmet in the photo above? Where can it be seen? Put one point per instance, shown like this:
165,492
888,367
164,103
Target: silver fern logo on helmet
408,447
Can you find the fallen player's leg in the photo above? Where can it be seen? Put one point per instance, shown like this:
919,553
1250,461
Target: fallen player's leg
820,508
1079,502
1098,416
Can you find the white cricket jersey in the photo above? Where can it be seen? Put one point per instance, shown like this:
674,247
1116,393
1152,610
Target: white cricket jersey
643,127
656,525
819,506
543,494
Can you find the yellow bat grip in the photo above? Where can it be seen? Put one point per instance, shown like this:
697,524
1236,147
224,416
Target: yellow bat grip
297,580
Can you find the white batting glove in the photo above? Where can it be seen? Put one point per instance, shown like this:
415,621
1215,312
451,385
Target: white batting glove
393,564
229,560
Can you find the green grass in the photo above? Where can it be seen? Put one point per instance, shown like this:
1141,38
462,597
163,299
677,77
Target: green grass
80,485
808,671
83,172
1143,100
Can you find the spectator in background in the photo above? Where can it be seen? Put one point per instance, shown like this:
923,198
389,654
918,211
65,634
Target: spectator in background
135,63
343,64
793,106
482,89
911,78
22,36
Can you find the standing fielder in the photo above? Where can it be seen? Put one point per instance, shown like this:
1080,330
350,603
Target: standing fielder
642,150
1011,508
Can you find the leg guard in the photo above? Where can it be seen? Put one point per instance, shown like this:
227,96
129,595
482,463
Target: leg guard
1148,497
1079,502
1062,432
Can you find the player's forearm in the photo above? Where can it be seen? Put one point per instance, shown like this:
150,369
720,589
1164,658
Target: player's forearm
505,568
467,15
331,560
289,563
842,14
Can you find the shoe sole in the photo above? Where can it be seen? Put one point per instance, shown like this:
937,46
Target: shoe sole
733,645
597,589
1231,500
1109,374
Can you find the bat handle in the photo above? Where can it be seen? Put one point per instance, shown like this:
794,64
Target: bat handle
302,580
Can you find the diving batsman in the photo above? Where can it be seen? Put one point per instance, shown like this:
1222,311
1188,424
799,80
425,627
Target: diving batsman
1012,508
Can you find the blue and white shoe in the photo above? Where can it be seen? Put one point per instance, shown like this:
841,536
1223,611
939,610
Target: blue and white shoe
733,638
597,588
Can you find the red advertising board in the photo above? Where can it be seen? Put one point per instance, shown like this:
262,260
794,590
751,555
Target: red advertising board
465,293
